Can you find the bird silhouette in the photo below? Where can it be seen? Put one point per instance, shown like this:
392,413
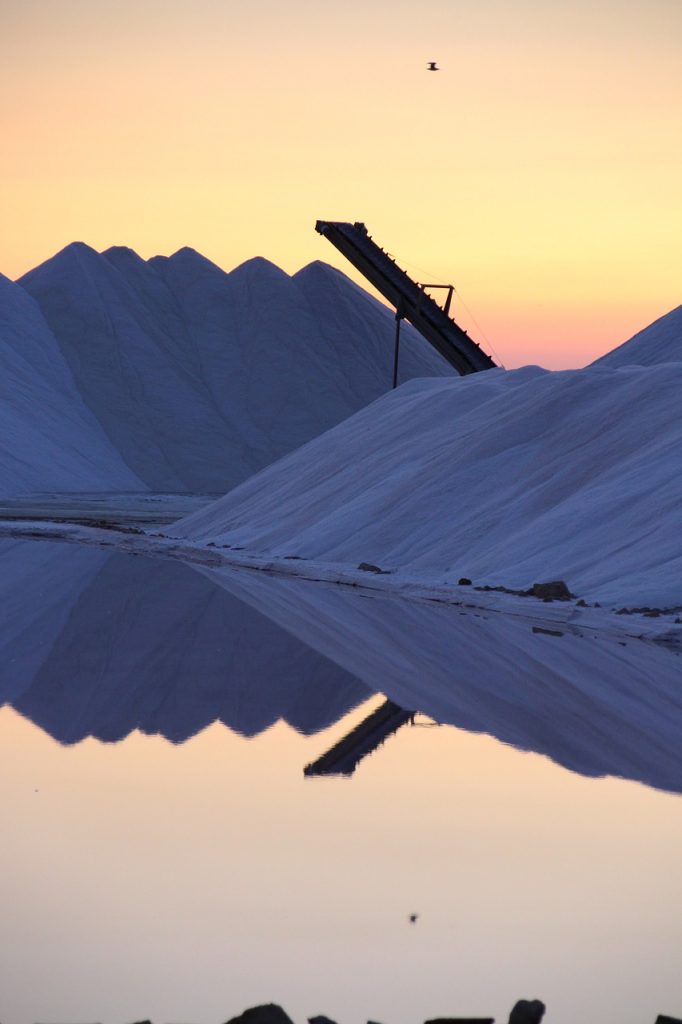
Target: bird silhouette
413,918
432,66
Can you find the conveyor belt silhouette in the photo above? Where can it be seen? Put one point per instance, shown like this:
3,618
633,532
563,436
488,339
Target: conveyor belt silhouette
344,757
410,300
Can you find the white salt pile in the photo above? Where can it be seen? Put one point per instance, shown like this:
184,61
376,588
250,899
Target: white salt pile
504,477
196,377
49,439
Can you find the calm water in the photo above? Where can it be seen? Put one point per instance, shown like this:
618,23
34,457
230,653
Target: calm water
164,856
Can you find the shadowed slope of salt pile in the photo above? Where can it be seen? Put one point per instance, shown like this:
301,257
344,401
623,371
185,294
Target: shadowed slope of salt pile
201,378
49,440
505,477
660,342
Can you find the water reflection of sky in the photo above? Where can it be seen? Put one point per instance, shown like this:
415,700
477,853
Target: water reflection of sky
185,882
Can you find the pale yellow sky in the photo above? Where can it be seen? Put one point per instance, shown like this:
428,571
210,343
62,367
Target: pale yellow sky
539,170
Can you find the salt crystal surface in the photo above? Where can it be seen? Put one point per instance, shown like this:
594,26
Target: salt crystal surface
504,477
200,378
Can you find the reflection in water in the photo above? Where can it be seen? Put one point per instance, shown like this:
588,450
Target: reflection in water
598,705
185,882
99,644
344,757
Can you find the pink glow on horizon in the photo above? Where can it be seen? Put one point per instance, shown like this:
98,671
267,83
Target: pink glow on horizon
539,170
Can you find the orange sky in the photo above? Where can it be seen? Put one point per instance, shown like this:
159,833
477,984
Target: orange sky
539,170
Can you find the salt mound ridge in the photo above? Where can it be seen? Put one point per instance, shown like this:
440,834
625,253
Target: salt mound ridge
660,342
176,376
504,477
49,439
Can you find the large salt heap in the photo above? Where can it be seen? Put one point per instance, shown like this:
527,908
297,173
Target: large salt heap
49,439
200,378
506,477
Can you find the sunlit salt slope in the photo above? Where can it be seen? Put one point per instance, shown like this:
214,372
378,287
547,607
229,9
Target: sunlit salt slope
660,342
504,477
49,439
200,378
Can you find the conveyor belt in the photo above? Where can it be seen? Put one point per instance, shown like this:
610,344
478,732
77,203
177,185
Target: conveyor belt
411,302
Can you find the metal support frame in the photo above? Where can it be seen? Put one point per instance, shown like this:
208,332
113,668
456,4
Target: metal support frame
450,290
396,353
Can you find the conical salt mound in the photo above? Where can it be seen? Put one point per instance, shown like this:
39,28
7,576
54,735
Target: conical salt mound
199,378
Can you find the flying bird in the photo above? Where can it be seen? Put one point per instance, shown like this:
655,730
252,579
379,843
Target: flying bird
413,917
432,66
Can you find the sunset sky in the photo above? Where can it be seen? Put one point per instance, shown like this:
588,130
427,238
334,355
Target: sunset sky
540,170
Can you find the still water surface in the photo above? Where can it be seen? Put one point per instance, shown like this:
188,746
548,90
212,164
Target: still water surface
164,856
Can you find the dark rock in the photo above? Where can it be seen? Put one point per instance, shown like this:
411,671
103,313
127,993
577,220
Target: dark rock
662,1019
527,1011
320,1019
463,582
581,603
554,591
368,567
461,1020
269,1013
